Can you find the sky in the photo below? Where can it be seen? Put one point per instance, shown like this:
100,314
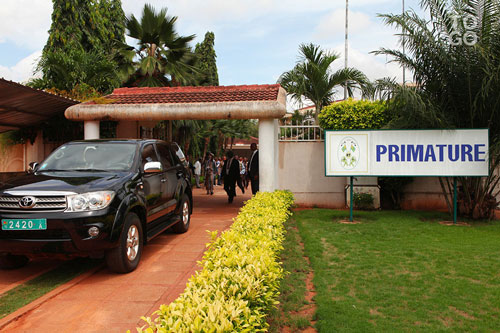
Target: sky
255,40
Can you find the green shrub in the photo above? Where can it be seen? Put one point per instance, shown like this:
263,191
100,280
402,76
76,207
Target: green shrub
351,114
362,200
239,281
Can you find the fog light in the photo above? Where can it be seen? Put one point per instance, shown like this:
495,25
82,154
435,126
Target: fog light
93,231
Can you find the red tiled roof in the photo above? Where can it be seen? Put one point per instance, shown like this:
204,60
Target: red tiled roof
167,95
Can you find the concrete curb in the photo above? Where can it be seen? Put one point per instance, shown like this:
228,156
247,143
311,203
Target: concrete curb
39,301
20,282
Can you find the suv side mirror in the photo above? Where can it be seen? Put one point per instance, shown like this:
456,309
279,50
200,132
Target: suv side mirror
152,167
32,167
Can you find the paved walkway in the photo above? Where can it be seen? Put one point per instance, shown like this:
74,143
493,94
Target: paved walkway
108,302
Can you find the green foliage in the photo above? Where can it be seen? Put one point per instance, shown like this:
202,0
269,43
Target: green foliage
240,278
162,57
84,24
312,78
456,79
196,137
353,114
77,74
80,49
206,63
362,200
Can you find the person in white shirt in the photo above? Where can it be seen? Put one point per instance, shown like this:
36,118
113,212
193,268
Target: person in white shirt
197,172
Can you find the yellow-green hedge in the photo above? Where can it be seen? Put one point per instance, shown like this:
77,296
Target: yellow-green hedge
351,114
239,281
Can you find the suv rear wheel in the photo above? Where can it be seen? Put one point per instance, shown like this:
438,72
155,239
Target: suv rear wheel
125,258
183,225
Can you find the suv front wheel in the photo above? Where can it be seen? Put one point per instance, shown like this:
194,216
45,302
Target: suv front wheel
125,258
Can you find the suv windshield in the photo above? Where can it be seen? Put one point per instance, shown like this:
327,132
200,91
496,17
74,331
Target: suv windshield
91,156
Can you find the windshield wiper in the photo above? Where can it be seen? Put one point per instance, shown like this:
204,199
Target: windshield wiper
91,169
50,170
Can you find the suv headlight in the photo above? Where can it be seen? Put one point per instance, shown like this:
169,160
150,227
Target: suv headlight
89,201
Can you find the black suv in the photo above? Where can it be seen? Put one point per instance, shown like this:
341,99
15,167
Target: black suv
96,198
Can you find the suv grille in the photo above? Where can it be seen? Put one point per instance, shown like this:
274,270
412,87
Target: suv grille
42,203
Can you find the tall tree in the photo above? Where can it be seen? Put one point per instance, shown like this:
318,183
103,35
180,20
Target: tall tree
79,49
113,21
455,60
89,25
162,57
206,61
312,77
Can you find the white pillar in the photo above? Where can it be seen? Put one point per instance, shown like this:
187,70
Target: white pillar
90,130
267,173
276,153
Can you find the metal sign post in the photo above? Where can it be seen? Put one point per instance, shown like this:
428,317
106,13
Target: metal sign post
351,203
455,195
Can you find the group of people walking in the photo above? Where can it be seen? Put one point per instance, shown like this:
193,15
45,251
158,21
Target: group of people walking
229,170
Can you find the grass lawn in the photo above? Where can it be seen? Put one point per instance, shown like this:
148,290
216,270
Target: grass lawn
400,271
26,293
293,286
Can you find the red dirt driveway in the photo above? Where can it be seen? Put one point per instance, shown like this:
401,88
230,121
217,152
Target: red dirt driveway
109,302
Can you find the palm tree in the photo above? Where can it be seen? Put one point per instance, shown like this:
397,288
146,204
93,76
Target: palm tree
380,89
455,60
313,79
161,57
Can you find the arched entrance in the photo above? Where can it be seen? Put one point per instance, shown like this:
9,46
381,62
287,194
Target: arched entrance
267,103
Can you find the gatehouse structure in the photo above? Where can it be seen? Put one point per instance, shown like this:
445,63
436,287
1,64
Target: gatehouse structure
132,107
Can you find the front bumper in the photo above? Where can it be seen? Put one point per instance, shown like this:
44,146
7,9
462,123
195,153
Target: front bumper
66,233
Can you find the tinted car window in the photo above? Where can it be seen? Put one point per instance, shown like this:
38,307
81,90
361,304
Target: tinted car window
165,157
148,154
91,155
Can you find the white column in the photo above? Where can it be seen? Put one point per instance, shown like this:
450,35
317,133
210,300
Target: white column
276,153
90,130
267,173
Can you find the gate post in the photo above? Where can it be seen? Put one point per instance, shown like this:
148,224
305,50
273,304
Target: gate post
267,161
91,129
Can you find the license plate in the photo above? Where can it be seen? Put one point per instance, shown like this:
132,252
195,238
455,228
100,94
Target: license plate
24,224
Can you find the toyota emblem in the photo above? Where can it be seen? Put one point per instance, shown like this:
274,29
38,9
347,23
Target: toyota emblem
27,202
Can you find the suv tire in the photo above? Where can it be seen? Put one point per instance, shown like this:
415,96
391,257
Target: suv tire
125,258
185,214
10,261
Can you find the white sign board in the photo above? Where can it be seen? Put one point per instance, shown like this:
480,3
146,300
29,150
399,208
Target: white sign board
407,153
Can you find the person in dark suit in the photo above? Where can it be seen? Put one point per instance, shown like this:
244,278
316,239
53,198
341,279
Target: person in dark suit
253,168
230,174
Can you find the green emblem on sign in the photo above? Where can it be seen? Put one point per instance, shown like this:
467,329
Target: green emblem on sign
348,153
